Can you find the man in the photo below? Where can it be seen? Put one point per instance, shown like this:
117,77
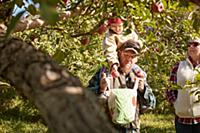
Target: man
187,111
112,41
129,71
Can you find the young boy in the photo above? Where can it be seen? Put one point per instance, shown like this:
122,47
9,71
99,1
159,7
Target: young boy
113,40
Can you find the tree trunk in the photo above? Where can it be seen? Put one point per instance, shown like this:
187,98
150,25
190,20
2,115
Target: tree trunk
62,101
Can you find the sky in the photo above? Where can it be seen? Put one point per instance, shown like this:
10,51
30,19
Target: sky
18,9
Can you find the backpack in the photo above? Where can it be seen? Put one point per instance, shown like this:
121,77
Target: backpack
122,104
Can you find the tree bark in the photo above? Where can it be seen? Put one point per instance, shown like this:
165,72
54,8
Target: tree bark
62,101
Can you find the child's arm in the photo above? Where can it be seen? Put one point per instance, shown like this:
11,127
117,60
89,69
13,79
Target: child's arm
110,49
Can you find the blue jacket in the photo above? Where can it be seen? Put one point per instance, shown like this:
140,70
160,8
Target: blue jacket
147,100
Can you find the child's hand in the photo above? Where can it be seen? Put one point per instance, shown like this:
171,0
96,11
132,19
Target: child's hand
114,71
115,74
140,74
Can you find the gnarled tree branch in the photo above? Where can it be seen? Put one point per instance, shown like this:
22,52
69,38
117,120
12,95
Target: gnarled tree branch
59,96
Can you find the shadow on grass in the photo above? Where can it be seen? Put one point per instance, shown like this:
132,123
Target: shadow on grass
16,114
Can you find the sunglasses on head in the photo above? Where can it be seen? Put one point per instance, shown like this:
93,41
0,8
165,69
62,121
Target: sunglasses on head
194,44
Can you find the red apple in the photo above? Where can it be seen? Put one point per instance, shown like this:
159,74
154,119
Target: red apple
65,1
102,29
157,50
115,74
140,74
157,7
85,40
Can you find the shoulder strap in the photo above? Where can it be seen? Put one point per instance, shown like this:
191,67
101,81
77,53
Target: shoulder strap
121,82
135,87
117,82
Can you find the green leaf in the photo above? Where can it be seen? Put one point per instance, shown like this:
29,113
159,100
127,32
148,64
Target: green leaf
19,3
49,14
31,9
196,24
13,23
59,56
52,2
47,2
184,3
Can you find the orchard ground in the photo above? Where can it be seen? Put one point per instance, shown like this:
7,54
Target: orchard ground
18,115
151,123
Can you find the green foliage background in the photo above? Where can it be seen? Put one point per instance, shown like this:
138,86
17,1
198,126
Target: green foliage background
164,34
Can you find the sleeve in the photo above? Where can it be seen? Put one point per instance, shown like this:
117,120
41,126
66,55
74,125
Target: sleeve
171,94
147,99
94,82
134,36
131,36
110,49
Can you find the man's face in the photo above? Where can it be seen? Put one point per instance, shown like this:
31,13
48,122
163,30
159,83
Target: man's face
117,28
127,59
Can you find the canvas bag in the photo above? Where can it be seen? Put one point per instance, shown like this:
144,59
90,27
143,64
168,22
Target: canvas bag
122,104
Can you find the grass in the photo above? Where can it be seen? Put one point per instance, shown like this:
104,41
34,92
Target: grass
150,123
157,123
19,126
14,120
18,115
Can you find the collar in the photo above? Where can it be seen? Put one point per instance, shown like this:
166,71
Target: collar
194,64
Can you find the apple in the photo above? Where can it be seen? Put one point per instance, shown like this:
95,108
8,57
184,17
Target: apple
65,1
157,7
140,74
115,74
85,40
102,29
157,50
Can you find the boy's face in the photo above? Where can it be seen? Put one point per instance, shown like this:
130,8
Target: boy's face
117,28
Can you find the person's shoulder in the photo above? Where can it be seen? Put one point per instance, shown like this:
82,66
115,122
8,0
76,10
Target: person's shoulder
136,67
110,35
175,66
181,61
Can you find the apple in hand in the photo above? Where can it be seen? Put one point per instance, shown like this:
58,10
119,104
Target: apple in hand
140,74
